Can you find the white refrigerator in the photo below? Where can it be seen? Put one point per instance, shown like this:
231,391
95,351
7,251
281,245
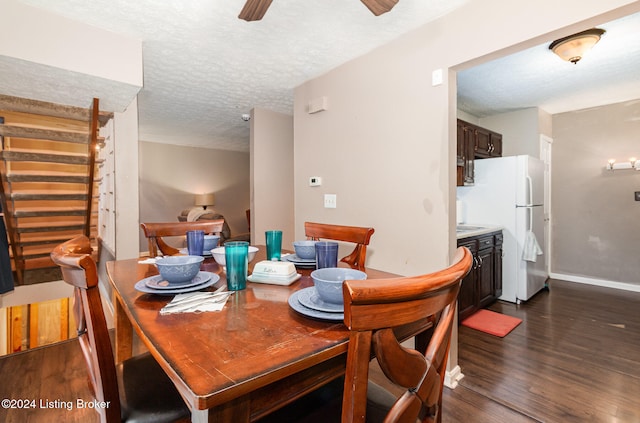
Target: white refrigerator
509,192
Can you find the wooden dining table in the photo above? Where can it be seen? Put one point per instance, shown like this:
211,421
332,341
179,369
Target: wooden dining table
238,364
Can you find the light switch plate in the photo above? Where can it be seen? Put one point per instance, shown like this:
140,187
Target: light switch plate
330,201
436,77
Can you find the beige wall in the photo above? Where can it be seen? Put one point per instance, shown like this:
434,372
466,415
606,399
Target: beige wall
385,145
271,147
520,131
596,222
171,175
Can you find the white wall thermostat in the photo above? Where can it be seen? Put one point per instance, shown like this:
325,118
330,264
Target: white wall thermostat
315,181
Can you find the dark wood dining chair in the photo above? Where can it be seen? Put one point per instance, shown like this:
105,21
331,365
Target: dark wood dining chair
374,310
157,230
137,389
354,234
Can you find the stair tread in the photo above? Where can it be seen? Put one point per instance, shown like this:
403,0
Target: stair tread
48,191
45,209
50,134
43,173
45,152
44,128
45,237
37,243
32,225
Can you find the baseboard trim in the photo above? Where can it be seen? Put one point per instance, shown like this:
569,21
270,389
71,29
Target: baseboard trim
597,282
452,377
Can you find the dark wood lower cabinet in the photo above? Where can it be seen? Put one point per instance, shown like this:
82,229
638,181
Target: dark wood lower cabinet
483,285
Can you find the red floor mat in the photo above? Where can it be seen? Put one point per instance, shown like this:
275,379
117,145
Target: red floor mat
491,322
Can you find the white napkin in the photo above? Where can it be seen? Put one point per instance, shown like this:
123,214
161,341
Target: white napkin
531,249
149,260
206,304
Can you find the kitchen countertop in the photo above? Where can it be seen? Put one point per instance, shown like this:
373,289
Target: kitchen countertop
468,230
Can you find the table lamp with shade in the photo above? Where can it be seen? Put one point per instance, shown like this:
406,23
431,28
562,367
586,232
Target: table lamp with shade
205,200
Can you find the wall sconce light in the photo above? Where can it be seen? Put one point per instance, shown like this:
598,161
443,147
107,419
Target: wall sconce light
573,47
631,164
205,200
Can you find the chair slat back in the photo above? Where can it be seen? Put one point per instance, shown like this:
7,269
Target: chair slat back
155,231
79,270
372,309
354,234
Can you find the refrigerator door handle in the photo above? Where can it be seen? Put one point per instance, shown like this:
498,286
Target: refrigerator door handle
530,186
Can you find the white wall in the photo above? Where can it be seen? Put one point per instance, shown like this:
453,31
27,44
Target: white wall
51,58
126,181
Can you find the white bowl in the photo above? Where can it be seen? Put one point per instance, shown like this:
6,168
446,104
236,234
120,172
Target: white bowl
179,269
219,257
328,282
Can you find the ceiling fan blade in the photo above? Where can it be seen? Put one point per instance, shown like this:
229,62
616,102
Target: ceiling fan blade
254,10
378,7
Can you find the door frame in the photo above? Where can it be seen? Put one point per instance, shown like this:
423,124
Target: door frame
546,144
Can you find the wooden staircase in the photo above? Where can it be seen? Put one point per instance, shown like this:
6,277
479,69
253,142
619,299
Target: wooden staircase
49,190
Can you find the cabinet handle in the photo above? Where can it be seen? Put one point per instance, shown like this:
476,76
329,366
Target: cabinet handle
480,261
475,262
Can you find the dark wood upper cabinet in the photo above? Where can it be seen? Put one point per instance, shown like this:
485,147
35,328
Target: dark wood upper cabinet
487,143
474,142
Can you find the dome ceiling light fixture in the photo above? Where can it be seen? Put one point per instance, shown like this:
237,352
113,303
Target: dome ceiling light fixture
573,47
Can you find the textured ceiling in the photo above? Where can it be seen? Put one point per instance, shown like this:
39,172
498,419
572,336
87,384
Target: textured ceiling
204,67
609,73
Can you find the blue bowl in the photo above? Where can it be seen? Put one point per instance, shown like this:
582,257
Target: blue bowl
210,242
179,269
305,249
328,282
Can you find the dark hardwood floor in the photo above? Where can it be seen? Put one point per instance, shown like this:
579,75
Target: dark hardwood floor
574,358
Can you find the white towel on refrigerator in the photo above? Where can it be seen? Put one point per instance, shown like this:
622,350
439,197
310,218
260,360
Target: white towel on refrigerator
531,247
